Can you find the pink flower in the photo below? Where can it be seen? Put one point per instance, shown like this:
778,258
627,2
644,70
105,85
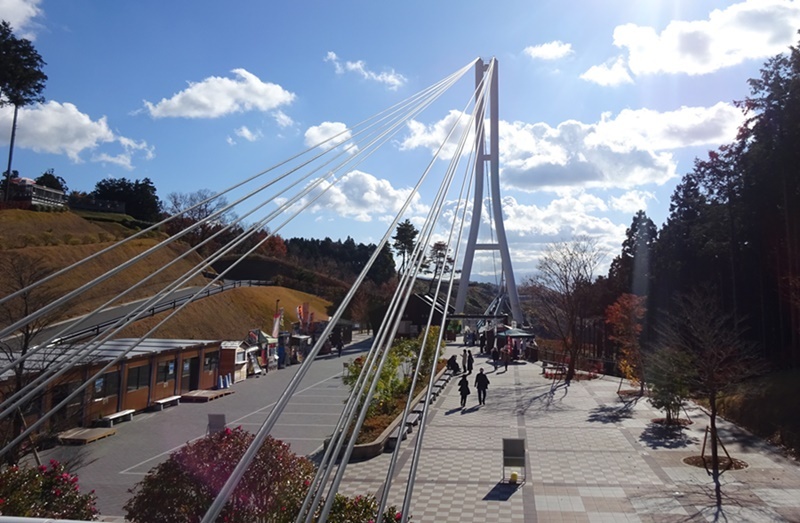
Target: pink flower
398,516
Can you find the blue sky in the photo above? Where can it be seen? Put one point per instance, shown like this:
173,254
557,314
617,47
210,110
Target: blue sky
603,104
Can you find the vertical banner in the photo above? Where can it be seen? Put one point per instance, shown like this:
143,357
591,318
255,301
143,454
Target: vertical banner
276,323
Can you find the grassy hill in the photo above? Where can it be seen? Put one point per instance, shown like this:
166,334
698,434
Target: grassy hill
229,315
36,243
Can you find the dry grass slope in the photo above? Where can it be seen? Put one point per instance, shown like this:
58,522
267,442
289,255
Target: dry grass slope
40,238
229,315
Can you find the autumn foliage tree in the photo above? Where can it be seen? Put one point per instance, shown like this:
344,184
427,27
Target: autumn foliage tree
625,317
183,487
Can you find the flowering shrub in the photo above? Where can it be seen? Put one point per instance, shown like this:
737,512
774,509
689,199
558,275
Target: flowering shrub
182,488
44,492
360,509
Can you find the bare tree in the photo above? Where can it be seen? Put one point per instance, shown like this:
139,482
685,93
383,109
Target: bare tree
561,290
198,207
17,272
717,356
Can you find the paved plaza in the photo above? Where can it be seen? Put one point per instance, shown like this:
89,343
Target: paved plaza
591,458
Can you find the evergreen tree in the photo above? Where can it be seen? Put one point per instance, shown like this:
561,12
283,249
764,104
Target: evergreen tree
404,240
21,80
139,197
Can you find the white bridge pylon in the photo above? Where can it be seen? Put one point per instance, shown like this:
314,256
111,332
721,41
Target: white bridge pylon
482,69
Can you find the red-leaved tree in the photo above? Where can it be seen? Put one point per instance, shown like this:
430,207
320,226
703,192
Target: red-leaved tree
625,317
182,488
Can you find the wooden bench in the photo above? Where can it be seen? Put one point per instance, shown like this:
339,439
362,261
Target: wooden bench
166,402
123,415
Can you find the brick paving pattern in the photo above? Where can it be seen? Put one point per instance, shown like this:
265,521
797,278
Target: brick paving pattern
592,457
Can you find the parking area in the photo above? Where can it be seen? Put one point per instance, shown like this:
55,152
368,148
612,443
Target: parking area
113,465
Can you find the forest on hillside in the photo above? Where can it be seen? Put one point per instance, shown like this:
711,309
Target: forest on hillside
733,229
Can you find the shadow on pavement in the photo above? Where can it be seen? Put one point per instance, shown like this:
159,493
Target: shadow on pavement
611,413
501,492
659,436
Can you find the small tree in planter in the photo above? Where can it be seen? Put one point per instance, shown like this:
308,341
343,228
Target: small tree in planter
183,487
719,357
44,492
669,371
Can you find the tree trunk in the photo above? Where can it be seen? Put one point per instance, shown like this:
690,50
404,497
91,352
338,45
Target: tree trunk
11,153
712,399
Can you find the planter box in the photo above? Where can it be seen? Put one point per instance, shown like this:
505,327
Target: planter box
364,451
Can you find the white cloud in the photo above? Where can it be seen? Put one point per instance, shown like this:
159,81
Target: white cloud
750,30
216,96
57,128
550,51
684,127
632,201
432,136
609,74
530,228
363,197
392,79
331,133
282,119
21,14
247,134
626,151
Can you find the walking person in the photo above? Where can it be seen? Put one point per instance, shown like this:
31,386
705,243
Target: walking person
470,362
463,388
481,383
464,360
495,357
506,357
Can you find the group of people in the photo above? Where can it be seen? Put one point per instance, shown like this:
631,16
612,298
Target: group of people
501,355
481,384
481,381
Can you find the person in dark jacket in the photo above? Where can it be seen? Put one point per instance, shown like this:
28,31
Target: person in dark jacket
463,388
470,362
495,356
481,383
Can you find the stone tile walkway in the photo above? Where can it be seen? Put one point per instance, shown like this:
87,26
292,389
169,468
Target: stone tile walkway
591,458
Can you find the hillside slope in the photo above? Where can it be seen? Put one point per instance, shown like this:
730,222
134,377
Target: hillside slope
47,242
229,315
